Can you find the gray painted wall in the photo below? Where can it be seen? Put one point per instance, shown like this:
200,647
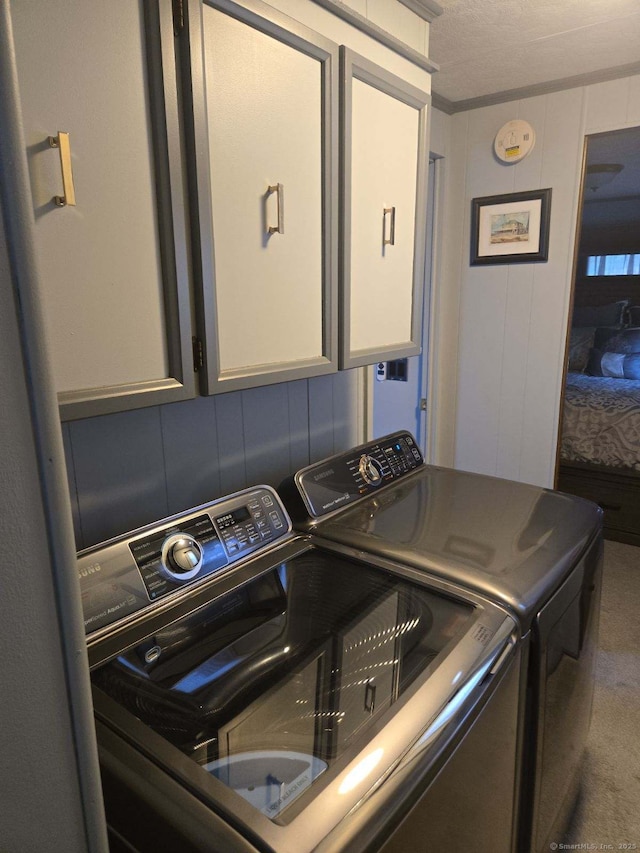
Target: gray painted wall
132,468
49,782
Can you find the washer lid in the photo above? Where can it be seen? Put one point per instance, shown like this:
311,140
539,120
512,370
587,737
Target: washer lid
289,701
512,542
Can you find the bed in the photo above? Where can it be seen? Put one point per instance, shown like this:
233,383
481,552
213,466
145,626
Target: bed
601,423
600,438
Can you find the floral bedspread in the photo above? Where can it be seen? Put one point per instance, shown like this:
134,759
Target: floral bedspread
601,421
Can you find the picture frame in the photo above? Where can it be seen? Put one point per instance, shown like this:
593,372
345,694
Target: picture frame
512,228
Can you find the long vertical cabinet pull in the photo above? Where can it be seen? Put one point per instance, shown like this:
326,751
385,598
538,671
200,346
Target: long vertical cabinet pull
278,189
62,143
390,214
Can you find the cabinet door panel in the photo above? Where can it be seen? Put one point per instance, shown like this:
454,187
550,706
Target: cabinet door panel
383,176
262,118
264,131
384,142
118,327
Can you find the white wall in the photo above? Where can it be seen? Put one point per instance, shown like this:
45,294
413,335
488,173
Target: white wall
501,329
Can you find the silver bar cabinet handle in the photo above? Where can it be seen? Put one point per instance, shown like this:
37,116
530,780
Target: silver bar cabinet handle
391,240
61,142
279,190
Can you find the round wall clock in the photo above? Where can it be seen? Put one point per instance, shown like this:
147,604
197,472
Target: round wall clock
514,141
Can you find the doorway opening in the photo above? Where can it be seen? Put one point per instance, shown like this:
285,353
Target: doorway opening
599,456
398,391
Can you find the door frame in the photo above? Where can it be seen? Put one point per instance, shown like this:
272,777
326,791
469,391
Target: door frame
428,341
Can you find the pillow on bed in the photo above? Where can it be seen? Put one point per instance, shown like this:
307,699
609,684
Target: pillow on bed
600,315
580,342
615,365
617,340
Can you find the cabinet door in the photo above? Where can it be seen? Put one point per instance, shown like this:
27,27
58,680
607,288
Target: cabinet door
385,159
113,267
264,93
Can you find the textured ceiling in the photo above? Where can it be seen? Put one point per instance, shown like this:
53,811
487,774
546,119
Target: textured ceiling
487,47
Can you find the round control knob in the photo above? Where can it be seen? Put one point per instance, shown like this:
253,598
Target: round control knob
181,557
370,470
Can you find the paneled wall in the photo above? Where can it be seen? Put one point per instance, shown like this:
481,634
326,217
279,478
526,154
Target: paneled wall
510,321
133,468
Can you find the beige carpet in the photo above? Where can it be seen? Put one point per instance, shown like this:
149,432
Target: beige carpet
608,808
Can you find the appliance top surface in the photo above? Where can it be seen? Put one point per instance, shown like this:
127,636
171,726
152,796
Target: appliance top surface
292,699
512,542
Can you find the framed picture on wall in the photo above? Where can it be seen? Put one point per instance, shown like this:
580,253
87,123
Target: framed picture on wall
511,228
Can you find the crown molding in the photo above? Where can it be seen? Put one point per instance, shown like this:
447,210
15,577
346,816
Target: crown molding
442,104
450,107
428,10
341,10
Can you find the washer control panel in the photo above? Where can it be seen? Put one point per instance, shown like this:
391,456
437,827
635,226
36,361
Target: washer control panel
170,557
260,519
126,575
340,480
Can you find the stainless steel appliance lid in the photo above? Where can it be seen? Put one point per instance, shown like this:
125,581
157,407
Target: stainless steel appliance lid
305,675
512,542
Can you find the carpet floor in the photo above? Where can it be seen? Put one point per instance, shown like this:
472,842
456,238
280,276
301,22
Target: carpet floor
607,814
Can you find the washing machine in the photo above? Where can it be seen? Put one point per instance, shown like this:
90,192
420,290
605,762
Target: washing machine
256,690
536,552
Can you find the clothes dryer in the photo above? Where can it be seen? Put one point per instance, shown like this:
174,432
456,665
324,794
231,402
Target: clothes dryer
536,552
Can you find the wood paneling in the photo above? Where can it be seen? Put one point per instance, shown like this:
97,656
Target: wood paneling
133,468
119,472
512,322
190,445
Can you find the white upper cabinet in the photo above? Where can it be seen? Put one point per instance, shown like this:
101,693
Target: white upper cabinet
113,267
385,159
264,154
186,183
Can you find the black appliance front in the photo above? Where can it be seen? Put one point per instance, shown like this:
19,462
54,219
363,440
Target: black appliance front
534,551
304,700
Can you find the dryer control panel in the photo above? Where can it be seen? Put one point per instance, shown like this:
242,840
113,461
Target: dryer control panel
340,480
121,577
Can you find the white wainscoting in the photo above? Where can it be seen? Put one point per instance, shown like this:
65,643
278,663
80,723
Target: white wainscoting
505,374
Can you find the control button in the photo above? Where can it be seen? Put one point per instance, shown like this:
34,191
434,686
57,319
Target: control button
370,470
275,518
232,547
185,557
255,537
263,525
181,557
267,500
